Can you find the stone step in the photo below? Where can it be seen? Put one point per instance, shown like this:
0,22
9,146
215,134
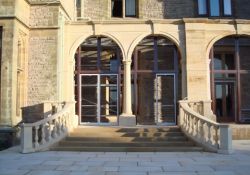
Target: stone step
127,139
117,139
126,130
125,144
129,149
128,134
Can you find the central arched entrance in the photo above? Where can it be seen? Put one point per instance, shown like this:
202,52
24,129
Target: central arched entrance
155,81
97,77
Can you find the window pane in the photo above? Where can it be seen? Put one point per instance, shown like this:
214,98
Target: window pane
145,51
227,7
116,6
202,5
78,8
245,96
214,8
130,8
244,53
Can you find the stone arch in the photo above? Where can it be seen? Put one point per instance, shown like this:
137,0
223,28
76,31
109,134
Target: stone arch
215,39
142,36
82,38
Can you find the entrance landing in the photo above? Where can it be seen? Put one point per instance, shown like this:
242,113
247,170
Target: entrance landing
134,139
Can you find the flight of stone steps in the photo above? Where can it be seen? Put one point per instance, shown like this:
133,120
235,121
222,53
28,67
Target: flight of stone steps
117,139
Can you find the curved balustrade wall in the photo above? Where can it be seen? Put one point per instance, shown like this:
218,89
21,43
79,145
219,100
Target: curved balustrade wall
211,135
44,133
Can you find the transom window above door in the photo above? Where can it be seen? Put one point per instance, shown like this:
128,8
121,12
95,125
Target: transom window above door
124,8
215,8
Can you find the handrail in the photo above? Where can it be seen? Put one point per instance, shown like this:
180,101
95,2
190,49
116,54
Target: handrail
192,112
208,133
64,109
46,132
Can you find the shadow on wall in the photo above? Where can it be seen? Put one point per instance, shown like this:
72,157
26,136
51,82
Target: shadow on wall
34,113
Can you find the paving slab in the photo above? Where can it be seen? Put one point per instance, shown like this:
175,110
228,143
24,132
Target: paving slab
12,162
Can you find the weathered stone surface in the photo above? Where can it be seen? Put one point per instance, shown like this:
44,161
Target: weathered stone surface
7,7
96,9
44,16
42,77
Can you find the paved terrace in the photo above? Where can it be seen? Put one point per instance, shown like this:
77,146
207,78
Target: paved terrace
106,163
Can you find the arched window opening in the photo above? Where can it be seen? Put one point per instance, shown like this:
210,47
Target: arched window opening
230,67
156,81
97,77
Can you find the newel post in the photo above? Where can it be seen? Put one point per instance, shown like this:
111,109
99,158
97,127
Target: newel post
26,139
225,140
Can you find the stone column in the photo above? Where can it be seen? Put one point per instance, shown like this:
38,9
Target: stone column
127,118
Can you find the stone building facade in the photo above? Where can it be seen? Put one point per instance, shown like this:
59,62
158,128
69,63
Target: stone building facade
44,43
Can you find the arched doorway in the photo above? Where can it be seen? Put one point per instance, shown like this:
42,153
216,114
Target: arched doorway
97,77
155,81
230,65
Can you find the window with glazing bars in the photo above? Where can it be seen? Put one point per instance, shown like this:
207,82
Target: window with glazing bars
215,8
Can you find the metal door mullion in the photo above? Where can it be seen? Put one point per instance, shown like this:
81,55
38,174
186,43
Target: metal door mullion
174,98
98,100
80,97
157,112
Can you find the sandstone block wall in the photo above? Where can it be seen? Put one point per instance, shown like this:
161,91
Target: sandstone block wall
6,71
96,9
7,7
43,52
152,9
22,11
42,74
43,16
167,9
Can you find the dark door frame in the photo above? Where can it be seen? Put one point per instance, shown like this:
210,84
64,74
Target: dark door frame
79,72
237,72
135,71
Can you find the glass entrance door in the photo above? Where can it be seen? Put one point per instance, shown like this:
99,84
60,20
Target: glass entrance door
99,99
225,101
165,93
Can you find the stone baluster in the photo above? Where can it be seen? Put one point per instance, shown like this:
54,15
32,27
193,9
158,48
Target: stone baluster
43,135
49,130
54,132
192,124
59,126
188,124
216,137
196,127
209,133
63,123
201,131
36,143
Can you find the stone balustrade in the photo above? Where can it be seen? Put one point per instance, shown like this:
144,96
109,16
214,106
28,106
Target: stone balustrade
211,135
48,131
